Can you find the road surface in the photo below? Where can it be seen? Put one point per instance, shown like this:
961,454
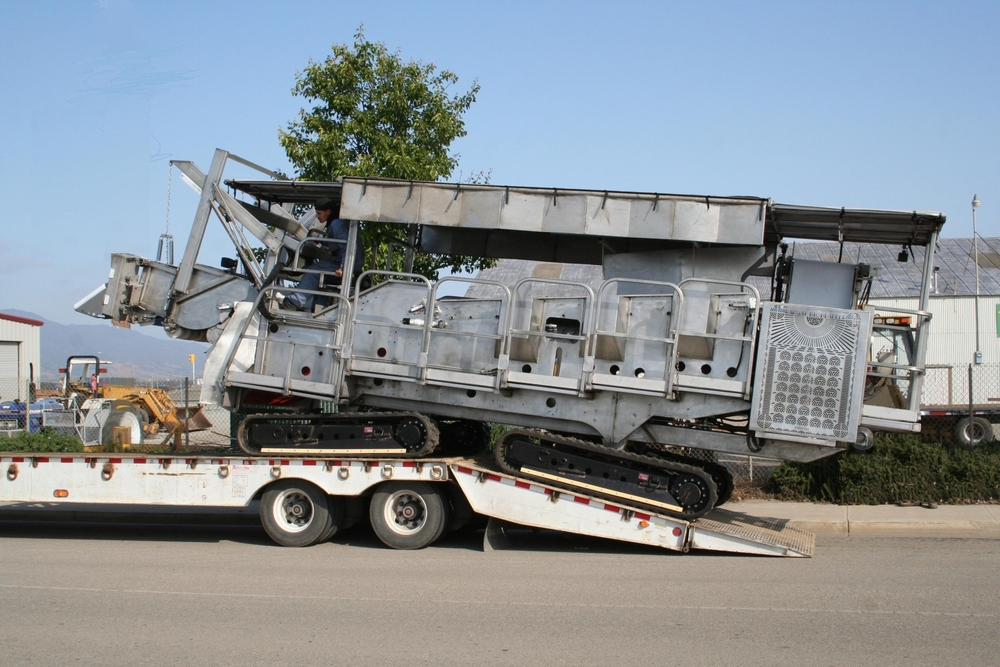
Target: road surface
113,594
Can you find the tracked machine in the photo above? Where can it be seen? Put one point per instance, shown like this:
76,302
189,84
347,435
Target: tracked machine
705,336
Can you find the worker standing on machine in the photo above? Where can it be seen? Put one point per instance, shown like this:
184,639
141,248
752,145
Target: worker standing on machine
332,268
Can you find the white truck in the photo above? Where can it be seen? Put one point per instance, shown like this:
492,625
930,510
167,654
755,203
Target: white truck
704,335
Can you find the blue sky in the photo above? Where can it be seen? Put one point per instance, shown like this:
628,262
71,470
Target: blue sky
867,104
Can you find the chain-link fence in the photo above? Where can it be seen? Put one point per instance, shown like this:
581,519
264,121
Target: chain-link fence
16,408
180,422
161,414
961,404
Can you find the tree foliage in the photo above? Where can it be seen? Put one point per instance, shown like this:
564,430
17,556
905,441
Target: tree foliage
373,114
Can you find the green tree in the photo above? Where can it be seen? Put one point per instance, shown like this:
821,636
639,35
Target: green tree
375,115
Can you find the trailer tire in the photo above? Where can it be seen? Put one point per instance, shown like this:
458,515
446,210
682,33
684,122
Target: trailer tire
409,515
865,442
970,434
295,513
336,518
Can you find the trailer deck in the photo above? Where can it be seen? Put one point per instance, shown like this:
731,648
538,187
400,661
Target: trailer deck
207,481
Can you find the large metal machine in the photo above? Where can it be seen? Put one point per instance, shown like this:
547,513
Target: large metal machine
705,334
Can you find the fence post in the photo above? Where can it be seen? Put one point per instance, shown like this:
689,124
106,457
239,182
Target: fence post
187,414
27,406
971,411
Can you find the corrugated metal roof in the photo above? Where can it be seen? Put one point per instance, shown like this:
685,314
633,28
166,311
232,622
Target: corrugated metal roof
953,257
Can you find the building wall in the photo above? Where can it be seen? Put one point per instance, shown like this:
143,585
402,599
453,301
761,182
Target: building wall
952,339
28,338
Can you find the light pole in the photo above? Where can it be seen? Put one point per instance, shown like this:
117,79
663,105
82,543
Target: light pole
978,358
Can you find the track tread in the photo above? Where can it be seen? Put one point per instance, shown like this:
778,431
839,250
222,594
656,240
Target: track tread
431,442
656,462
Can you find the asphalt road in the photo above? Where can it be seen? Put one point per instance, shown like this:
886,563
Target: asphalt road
100,594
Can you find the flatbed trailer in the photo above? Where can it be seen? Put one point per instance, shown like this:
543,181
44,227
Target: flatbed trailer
962,425
410,502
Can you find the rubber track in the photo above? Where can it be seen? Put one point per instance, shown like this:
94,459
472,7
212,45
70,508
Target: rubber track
722,478
430,444
669,467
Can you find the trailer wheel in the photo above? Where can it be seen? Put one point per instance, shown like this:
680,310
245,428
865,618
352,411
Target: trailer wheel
973,433
295,513
409,515
865,441
336,518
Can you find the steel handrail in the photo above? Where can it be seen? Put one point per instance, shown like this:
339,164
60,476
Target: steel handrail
670,340
754,309
429,316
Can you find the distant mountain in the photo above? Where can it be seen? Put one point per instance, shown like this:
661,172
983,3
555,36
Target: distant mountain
131,353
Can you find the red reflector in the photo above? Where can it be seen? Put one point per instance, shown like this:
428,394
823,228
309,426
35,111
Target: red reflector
62,370
677,532
61,493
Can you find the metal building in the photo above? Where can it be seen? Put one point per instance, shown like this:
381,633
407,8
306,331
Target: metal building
20,355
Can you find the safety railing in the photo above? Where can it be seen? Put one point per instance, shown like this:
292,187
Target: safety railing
383,364
643,382
265,343
747,340
459,374
554,381
897,329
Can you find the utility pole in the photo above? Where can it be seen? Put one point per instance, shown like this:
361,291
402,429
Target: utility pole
978,358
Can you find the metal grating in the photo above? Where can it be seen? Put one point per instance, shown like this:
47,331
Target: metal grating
775,532
810,364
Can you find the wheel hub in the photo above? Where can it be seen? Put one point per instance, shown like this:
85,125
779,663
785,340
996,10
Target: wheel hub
295,510
406,511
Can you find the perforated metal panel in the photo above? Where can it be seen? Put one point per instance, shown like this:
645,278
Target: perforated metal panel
810,371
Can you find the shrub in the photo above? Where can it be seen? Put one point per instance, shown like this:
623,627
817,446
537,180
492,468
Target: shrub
900,469
45,441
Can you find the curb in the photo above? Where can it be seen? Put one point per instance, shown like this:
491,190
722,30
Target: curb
881,520
900,528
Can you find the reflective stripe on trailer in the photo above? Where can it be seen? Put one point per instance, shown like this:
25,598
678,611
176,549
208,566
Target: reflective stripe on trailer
517,501
191,480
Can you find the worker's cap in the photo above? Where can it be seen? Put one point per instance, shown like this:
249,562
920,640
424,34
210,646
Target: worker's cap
325,204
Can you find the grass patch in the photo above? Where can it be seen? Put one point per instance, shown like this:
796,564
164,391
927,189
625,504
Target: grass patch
900,469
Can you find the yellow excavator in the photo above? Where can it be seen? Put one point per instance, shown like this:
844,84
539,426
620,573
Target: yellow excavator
146,411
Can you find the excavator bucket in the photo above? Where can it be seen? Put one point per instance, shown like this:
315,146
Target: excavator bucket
195,415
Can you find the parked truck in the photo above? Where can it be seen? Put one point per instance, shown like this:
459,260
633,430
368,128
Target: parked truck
607,391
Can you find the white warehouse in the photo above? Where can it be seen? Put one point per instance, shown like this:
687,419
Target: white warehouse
20,355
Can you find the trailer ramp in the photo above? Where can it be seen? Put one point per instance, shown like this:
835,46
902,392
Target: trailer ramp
506,498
